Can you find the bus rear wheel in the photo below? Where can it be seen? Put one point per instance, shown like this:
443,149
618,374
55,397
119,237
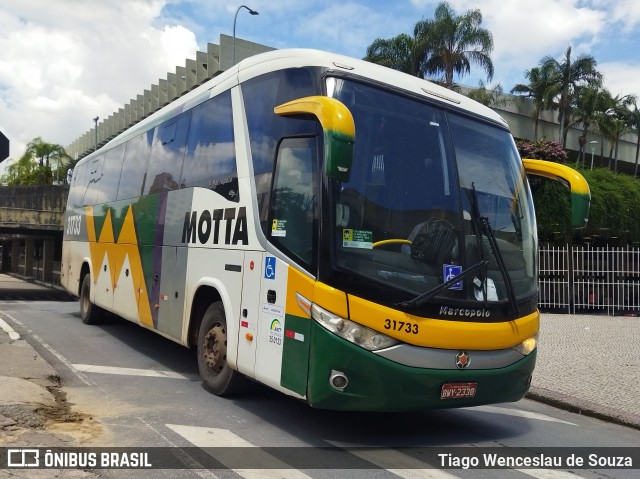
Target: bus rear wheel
90,313
217,377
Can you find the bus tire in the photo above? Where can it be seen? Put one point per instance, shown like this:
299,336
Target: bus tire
217,377
90,313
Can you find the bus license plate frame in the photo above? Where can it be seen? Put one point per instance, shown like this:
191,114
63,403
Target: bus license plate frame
458,390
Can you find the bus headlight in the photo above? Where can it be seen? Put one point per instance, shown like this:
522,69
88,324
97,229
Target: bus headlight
353,332
527,346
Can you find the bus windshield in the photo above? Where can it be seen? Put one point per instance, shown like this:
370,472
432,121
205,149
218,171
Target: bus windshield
432,193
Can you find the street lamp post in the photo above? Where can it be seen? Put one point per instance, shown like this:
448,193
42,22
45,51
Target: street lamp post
252,12
593,150
95,120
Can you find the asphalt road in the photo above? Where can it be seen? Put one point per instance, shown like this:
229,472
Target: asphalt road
142,390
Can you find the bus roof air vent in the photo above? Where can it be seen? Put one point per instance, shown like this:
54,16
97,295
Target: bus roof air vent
343,66
443,97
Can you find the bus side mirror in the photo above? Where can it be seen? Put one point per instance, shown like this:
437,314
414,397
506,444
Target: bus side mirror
580,193
338,128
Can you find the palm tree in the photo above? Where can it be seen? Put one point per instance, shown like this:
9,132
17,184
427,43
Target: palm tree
565,76
537,90
622,120
492,97
635,120
46,153
588,104
456,42
22,172
403,53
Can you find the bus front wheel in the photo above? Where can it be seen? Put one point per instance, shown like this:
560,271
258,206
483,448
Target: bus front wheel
90,313
217,376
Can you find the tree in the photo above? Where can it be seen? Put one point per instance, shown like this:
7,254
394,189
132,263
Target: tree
589,102
489,97
564,77
616,120
635,123
456,42
537,90
28,171
402,53
22,172
445,45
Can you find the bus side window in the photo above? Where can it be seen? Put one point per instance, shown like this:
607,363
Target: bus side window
261,95
167,155
211,156
78,185
136,156
94,176
294,199
111,169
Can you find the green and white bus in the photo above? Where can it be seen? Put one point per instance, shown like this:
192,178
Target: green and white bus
344,233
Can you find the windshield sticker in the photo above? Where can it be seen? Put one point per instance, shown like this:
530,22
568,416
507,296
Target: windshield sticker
357,239
450,271
279,228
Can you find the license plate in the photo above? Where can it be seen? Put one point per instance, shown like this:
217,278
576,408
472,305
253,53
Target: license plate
458,390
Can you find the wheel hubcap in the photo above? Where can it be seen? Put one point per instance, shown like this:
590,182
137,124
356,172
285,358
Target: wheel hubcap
215,348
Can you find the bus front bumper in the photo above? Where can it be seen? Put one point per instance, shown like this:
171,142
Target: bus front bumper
378,384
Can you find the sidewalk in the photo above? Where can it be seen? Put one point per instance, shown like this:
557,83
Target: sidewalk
586,364
590,365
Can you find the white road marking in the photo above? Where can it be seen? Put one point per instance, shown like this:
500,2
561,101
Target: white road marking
9,330
548,474
193,465
518,413
396,462
93,368
64,361
212,437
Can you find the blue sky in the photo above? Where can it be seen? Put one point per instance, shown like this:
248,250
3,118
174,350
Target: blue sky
63,62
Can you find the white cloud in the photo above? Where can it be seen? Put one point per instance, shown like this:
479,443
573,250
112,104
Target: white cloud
621,78
65,62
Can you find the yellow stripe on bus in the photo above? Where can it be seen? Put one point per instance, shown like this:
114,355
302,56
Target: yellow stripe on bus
445,334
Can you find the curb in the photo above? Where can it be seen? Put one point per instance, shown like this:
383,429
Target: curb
13,336
583,407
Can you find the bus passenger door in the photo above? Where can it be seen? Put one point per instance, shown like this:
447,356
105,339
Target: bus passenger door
249,313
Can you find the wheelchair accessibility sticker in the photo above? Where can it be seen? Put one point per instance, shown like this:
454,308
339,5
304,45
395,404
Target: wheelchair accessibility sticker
450,271
270,267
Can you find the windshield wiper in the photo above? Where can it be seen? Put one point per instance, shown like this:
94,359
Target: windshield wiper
484,227
427,295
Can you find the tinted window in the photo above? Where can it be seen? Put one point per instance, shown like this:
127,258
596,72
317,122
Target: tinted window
134,168
111,173
261,96
78,185
93,176
293,207
167,154
211,158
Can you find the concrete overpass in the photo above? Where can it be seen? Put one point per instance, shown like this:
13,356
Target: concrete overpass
31,227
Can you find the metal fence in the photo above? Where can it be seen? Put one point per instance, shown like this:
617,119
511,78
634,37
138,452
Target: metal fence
577,279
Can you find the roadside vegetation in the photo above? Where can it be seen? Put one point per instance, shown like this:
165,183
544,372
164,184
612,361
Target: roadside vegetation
41,164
